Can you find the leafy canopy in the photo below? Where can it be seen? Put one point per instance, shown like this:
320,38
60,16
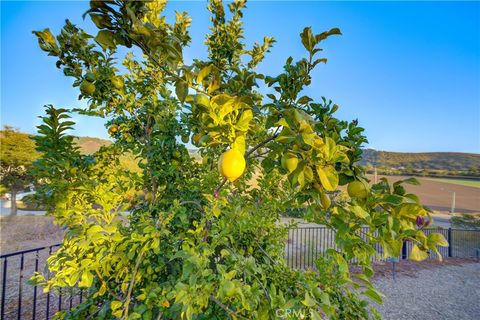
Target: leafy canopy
194,246
17,152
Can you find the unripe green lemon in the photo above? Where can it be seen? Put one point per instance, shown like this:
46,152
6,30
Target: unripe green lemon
290,162
117,82
325,201
185,138
87,87
149,196
231,165
357,189
229,289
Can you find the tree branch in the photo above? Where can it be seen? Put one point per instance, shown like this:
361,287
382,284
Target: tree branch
261,144
224,307
132,281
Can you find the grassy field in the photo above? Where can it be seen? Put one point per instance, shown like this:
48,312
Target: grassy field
461,182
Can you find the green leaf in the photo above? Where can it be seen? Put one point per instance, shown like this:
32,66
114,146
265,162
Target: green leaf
392,248
392,199
324,60
359,212
324,35
86,280
105,39
47,41
328,177
304,100
244,122
436,239
412,181
203,100
413,197
315,315
282,122
203,73
308,39
374,295
309,301
239,144
418,255
286,136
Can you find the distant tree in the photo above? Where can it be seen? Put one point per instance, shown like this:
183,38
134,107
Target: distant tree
16,155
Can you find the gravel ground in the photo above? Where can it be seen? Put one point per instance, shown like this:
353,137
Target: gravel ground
438,293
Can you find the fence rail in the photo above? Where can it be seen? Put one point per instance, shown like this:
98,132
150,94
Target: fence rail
304,245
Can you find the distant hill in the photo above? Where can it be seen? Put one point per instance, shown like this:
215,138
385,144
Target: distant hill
90,144
429,163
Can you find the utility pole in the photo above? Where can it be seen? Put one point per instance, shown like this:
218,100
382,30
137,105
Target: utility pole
453,202
375,174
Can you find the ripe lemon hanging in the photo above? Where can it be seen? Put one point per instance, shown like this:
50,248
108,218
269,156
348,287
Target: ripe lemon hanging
325,201
357,189
231,164
290,162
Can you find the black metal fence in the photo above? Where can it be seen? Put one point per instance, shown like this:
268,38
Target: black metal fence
20,300
305,245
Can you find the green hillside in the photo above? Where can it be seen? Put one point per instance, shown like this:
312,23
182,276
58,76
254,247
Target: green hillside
429,163
426,164
89,145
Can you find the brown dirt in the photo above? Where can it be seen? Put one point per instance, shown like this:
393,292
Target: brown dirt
438,195
27,232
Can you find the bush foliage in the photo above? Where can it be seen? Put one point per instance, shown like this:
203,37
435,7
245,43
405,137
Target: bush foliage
195,246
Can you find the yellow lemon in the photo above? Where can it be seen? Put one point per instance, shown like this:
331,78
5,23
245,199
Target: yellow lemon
290,162
325,201
357,189
231,164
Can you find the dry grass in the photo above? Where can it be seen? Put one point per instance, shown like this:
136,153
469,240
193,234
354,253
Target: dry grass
28,232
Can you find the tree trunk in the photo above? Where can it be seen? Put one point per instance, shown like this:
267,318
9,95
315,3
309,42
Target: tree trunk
13,200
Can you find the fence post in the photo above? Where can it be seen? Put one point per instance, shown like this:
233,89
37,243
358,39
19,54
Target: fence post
450,244
404,250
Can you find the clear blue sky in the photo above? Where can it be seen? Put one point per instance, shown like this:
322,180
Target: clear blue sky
410,72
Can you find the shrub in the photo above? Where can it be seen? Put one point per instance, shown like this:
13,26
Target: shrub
195,245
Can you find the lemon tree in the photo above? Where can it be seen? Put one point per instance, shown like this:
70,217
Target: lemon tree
197,236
